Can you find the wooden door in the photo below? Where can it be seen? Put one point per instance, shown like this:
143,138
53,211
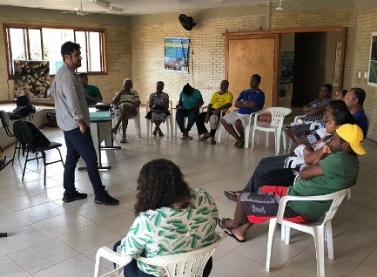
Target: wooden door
253,54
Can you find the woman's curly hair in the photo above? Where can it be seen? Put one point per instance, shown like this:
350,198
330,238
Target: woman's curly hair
160,184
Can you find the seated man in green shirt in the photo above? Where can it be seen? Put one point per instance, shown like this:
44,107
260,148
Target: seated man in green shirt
92,93
338,170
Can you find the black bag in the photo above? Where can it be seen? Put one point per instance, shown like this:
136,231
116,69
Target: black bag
39,139
51,119
24,108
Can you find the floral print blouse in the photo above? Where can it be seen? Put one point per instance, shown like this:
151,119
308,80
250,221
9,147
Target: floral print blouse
167,231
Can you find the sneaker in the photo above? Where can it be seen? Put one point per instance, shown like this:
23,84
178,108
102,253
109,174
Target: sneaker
106,199
69,197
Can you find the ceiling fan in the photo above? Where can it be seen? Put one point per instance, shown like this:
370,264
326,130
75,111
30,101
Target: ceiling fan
78,11
279,7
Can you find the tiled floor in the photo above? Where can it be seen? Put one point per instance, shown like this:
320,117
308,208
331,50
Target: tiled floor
50,238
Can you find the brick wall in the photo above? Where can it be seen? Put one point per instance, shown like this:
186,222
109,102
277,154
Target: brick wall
366,24
208,44
118,38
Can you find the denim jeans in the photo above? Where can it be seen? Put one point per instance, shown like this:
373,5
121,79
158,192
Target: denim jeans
181,114
81,144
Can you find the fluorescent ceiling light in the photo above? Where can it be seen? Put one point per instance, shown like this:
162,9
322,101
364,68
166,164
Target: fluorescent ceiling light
101,3
115,9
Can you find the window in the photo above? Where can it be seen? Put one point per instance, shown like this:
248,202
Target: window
28,43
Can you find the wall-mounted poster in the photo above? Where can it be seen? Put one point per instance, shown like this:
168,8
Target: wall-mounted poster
177,54
31,78
372,71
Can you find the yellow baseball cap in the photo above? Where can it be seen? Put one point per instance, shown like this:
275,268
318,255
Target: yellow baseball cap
352,134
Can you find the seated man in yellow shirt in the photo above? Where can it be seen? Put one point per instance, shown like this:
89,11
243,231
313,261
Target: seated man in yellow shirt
220,102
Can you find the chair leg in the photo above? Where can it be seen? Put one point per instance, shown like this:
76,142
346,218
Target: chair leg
148,127
284,140
44,167
247,133
329,239
270,242
218,132
26,160
277,141
171,125
320,250
253,139
61,157
14,151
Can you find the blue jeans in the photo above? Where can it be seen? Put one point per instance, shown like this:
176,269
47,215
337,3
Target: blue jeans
79,144
181,114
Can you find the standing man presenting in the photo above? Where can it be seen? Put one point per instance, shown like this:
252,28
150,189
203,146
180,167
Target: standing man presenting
92,93
72,116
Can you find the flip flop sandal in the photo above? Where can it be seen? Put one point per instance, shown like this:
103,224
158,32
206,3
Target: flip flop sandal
231,195
221,222
123,140
230,233
213,142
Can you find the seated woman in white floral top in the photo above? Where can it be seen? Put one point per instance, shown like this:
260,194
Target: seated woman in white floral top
171,218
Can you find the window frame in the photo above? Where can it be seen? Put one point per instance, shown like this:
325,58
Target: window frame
8,53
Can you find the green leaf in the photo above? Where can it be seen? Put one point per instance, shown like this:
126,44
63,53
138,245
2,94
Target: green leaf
178,245
200,200
200,219
172,221
157,220
168,228
182,230
163,247
179,225
163,214
171,236
189,213
203,211
149,226
194,242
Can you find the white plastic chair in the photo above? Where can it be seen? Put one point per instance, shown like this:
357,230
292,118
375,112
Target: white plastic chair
218,130
246,130
320,230
189,264
136,120
169,120
296,120
185,121
277,119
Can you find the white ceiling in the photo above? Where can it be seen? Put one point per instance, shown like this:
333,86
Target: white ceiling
138,7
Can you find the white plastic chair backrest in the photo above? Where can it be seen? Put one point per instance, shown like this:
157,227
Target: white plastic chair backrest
277,115
336,197
189,264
